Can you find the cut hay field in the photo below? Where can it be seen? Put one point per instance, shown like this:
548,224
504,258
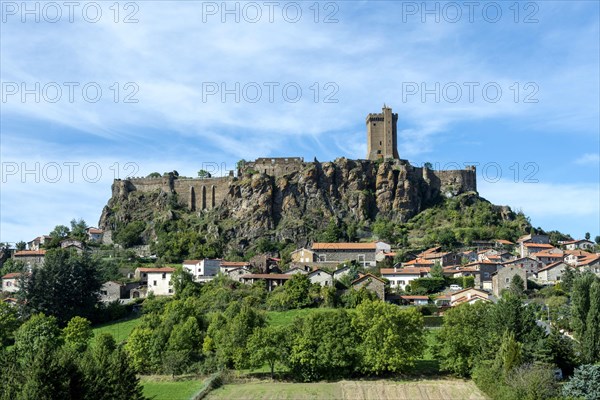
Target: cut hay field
442,389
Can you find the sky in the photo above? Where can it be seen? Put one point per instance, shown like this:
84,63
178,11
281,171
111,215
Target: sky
93,91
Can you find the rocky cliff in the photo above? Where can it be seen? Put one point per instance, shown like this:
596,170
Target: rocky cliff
288,207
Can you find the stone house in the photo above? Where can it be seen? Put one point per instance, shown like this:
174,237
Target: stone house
272,280
552,273
442,258
469,295
528,264
401,277
341,272
38,242
582,244
501,280
337,253
573,257
591,263
94,234
321,277
112,290
418,263
372,283
76,245
10,282
226,266
482,271
529,249
303,256
31,258
237,273
551,256
265,263
203,270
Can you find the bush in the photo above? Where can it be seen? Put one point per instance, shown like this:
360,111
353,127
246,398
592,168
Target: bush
585,383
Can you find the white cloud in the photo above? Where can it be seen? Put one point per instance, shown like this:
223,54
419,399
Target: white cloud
588,159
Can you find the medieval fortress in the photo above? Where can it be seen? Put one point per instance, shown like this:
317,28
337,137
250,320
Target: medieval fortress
206,193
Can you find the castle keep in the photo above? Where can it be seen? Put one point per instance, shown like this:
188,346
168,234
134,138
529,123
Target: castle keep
382,135
197,194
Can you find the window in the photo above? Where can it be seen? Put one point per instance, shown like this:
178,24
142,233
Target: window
322,258
154,283
402,282
170,290
486,274
104,293
9,284
507,280
164,275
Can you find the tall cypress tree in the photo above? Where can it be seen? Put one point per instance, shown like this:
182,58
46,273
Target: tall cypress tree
591,336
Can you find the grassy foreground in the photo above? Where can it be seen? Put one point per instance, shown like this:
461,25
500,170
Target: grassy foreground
166,389
443,389
120,329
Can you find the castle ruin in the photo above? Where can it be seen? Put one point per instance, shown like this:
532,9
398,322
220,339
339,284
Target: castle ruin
199,194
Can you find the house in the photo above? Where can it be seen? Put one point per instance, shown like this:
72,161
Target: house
415,300
551,256
370,282
321,277
76,245
341,272
237,273
401,277
501,280
94,234
552,273
113,290
469,295
383,256
442,300
582,244
442,258
419,263
303,256
10,282
504,244
159,281
304,270
590,263
468,256
337,253
528,264
110,291
265,263
272,280
226,266
573,257
531,239
31,258
529,249
38,242
482,271
203,270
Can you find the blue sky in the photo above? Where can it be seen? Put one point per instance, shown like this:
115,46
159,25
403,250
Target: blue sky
60,154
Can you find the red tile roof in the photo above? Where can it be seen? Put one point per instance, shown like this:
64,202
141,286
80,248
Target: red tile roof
503,241
539,245
550,266
166,269
12,275
366,276
267,276
405,271
415,297
29,253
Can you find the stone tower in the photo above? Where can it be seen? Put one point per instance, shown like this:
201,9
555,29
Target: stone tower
381,135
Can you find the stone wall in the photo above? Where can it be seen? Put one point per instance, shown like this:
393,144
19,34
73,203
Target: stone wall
273,166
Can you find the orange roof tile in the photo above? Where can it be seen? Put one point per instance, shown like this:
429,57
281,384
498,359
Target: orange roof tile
26,253
166,269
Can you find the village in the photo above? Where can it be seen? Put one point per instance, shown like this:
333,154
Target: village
491,264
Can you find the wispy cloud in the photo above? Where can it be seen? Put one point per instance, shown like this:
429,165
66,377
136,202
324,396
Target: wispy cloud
588,159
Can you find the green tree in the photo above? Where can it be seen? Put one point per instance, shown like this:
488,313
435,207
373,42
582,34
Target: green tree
517,286
332,233
184,284
203,174
9,322
584,384
78,229
580,302
154,175
597,240
66,286
463,337
59,233
78,333
38,334
509,355
21,245
266,346
567,279
587,236
323,346
130,234
437,271
296,291
562,352
139,347
391,338
591,335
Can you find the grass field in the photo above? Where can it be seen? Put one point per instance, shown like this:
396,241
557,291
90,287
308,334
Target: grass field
166,389
443,389
120,329
282,318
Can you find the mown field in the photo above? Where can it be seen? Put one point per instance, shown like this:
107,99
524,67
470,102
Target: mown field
158,388
443,389
120,329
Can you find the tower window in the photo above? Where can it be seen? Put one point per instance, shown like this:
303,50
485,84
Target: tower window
380,143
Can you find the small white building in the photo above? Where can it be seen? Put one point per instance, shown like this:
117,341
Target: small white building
582,244
10,282
94,234
401,277
227,266
303,256
469,295
321,277
203,270
237,273
159,281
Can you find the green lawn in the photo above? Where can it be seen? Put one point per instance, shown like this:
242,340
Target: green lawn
157,389
282,318
119,329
